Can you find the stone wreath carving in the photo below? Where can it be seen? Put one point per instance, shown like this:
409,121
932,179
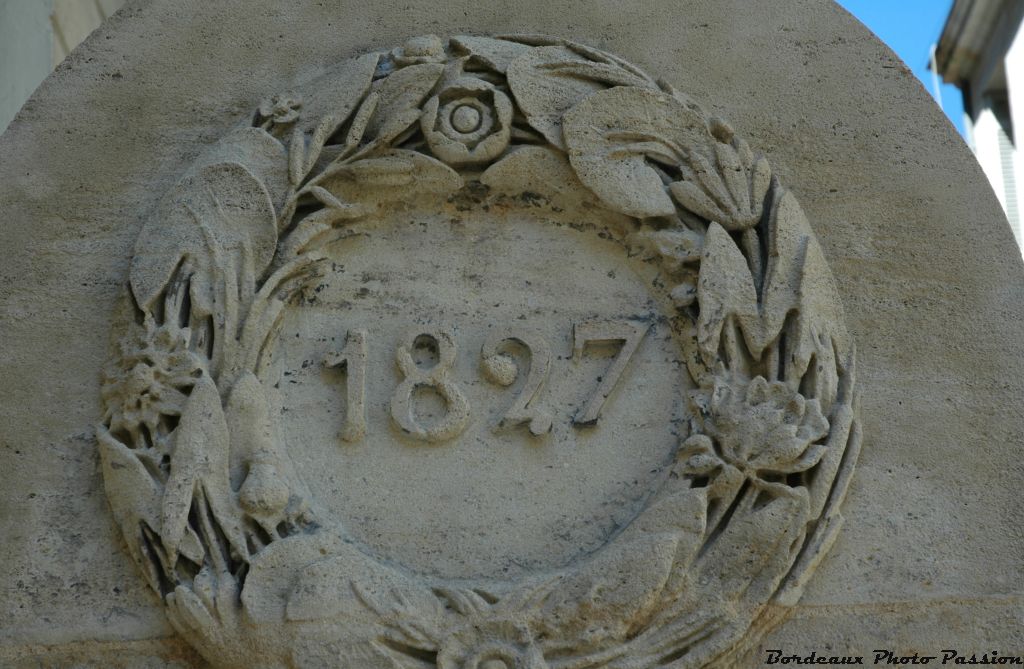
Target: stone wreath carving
253,574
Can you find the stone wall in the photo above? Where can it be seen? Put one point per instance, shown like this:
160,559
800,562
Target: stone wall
930,281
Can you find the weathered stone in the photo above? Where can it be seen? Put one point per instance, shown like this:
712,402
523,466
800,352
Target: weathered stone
492,351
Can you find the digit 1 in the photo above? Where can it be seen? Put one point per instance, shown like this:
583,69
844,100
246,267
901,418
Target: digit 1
353,360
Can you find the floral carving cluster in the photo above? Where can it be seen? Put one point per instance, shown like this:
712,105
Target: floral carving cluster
760,428
468,122
150,379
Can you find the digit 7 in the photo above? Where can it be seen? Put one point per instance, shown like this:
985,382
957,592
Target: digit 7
630,334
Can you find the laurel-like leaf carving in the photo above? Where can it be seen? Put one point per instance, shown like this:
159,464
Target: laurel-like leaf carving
388,177
401,95
545,95
725,289
497,54
200,465
135,499
613,594
343,88
613,137
222,219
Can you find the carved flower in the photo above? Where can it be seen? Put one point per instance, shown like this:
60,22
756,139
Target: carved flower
423,49
155,368
493,644
470,121
281,109
763,428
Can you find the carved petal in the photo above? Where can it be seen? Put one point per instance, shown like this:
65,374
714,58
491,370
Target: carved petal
611,134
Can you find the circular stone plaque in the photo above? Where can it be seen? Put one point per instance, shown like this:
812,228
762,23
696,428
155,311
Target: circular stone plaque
479,354
506,501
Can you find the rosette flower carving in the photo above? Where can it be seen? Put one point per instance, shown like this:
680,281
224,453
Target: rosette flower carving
155,369
495,644
468,122
761,429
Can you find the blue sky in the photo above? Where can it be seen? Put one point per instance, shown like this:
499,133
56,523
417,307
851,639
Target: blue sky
910,27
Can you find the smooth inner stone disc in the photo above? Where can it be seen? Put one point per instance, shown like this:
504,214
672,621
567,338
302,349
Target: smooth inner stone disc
486,503
466,119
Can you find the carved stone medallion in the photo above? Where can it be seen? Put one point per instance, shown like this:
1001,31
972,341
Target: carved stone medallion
480,353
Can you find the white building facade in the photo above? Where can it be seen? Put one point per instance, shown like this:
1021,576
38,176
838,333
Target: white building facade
981,51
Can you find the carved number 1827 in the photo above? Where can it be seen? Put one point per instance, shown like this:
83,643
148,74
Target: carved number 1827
501,369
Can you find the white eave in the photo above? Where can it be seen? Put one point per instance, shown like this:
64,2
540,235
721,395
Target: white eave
972,31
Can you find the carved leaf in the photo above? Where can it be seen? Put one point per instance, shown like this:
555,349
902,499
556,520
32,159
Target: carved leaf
357,130
545,95
338,92
614,593
401,94
679,512
271,575
612,135
270,486
496,54
259,153
538,173
390,176
797,279
222,219
325,589
304,152
728,185
200,458
756,539
606,73
248,422
799,275
135,499
724,288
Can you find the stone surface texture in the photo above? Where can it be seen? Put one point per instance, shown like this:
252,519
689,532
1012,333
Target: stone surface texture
930,553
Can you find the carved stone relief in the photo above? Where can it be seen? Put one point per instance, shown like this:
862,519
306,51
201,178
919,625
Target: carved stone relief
451,253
